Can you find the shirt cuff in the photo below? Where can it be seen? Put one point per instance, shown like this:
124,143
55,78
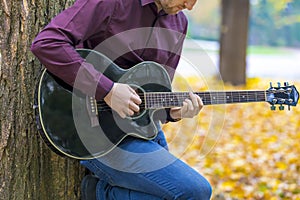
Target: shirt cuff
103,87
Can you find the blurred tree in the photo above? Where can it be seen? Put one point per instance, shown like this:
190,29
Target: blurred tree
233,40
272,22
28,170
204,20
275,23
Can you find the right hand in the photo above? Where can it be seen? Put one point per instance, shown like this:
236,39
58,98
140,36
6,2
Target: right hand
123,99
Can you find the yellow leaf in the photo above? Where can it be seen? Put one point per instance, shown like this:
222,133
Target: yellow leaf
228,185
281,165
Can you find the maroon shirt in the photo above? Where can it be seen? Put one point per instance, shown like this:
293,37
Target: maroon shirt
126,31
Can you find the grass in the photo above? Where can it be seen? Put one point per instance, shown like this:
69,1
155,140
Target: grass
257,50
266,50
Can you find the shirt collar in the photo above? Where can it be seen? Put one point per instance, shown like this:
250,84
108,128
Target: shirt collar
145,2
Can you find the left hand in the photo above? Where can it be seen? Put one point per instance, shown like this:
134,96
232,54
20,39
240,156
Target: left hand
191,107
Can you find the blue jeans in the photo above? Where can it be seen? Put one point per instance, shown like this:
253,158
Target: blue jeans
145,170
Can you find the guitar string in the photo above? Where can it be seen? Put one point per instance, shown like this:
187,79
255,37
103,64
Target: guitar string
207,98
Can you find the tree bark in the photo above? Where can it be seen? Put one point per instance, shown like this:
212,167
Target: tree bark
234,40
28,169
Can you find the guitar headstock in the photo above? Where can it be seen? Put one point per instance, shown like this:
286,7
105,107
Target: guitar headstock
282,95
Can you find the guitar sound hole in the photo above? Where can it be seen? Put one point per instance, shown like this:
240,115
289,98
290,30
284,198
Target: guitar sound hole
140,92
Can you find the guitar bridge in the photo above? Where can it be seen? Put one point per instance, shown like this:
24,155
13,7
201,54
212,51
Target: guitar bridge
92,110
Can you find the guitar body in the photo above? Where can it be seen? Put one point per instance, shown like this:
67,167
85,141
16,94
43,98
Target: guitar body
66,123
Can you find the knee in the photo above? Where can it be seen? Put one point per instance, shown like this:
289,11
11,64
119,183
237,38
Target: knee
202,192
196,190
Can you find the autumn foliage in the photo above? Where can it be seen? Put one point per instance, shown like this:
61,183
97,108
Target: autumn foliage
246,151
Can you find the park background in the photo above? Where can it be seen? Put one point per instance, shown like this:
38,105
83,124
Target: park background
255,150
246,151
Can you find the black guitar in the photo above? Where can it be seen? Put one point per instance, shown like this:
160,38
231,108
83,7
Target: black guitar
75,125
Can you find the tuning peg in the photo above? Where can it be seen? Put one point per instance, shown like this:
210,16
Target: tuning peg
289,107
286,83
271,85
273,107
279,85
281,101
281,107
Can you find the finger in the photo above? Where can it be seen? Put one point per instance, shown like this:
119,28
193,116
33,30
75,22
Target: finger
184,107
189,111
194,100
130,112
131,90
122,114
134,107
126,112
136,99
190,106
195,106
134,96
200,102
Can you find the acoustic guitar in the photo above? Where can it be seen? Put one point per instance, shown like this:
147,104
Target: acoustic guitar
75,125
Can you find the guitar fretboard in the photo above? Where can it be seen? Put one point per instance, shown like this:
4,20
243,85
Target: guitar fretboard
157,100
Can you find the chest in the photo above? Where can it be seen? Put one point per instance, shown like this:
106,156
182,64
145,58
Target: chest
133,36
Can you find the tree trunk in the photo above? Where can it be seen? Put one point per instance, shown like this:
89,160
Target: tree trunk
28,169
234,39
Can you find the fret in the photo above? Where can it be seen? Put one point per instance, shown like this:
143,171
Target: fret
206,98
174,100
155,100
217,98
229,97
252,96
242,96
213,98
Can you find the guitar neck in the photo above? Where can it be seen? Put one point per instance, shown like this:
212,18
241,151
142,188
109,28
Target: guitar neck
157,100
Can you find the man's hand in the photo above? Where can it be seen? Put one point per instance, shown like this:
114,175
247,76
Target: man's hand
191,107
123,99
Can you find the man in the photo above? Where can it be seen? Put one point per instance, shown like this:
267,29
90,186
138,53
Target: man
137,30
